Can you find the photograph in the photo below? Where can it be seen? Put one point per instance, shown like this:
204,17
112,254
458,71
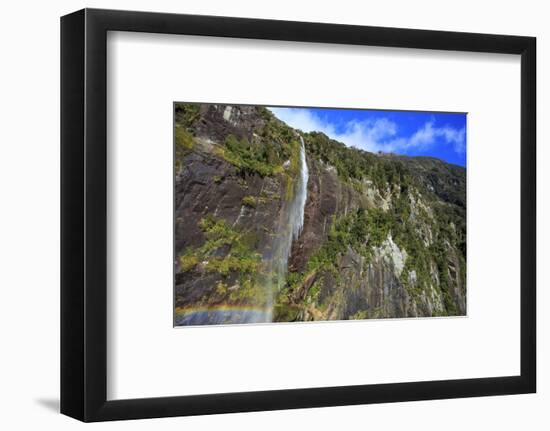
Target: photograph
237,215
293,214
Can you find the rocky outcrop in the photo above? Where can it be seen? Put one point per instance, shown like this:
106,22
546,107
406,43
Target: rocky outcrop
208,185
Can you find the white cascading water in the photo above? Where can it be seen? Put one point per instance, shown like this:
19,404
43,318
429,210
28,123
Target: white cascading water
301,191
291,225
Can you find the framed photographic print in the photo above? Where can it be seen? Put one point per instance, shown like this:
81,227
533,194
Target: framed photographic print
262,215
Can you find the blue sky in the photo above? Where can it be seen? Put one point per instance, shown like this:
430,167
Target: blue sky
441,135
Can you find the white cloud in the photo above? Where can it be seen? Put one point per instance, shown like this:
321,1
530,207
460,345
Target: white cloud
304,120
373,135
426,137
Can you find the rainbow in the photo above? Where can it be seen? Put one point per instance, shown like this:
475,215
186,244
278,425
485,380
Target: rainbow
221,314
220,307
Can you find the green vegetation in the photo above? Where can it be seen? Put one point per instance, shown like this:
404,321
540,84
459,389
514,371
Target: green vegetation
260,158
267,152
218,235
249,201
356,165
253,201
186,114
188,261
360,315
184,140
227,251
314,291
276,135
247,157
361,231
184,144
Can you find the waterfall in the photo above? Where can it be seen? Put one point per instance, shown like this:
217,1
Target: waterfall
297,217
289,228
291,224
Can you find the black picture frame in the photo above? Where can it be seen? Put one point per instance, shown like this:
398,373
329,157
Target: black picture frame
84,214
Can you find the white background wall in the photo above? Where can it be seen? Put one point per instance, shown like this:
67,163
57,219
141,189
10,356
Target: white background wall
29,224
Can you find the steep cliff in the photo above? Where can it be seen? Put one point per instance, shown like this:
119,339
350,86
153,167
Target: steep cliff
273,224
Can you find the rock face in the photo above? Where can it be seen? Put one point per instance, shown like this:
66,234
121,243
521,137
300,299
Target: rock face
383,236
